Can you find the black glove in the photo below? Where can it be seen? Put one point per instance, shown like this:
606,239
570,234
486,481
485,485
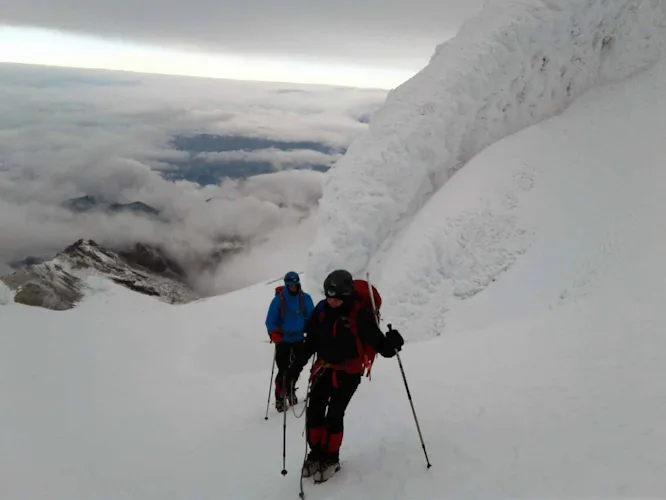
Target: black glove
395,339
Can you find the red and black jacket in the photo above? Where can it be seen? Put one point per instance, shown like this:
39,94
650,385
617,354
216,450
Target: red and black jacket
330,335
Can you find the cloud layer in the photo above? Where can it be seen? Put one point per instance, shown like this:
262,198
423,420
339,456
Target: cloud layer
68,133
371,31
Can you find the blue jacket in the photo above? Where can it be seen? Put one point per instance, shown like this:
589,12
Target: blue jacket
292,325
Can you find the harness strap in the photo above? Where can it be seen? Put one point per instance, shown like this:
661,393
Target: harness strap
354,367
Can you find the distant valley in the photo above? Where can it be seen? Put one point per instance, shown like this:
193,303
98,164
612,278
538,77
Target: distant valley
205,168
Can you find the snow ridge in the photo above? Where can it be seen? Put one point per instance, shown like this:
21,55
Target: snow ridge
61,283
514,65
6,294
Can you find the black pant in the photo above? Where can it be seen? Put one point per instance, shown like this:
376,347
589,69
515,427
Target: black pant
286,357
329,397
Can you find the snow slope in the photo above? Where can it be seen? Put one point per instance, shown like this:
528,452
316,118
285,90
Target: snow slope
513,65
549,383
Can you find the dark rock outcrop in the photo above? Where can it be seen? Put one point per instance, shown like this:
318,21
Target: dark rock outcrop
152,258
89,203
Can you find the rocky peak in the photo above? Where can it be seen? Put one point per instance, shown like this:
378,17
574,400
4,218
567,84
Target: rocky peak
59,283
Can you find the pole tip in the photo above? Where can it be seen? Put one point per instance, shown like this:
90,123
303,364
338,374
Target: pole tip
284,472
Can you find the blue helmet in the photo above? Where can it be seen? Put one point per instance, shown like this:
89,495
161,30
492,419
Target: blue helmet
292,278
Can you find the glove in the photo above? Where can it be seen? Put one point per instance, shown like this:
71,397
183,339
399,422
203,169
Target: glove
395,339
276,336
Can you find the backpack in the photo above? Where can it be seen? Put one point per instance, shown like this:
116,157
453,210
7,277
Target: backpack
362,292
280,291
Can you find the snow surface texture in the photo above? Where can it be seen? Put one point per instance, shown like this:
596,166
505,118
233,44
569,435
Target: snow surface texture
511,66
549,383
566,193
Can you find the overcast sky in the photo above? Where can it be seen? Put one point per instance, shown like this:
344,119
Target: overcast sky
392,37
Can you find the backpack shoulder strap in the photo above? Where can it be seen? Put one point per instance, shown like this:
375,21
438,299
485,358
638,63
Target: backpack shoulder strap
282,305
280,293
320,310
365,352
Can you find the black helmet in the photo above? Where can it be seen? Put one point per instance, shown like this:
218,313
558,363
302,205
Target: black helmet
339,285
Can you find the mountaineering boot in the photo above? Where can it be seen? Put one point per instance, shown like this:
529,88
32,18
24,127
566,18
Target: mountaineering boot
311,464
280,404
327,469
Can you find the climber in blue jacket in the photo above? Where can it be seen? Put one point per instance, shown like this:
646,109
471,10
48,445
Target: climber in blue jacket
287,316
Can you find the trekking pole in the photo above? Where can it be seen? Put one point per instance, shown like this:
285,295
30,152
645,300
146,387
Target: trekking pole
270,383
402,370
284,431
409,396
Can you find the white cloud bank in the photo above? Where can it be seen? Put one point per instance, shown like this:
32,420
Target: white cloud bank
68,133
